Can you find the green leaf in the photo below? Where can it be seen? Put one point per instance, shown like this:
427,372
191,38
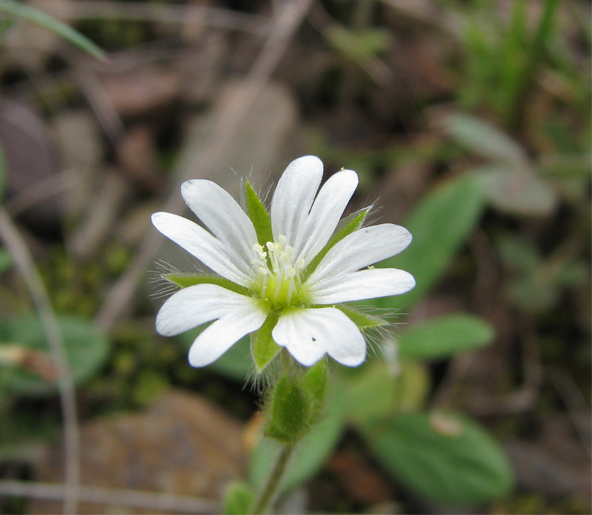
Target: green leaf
443,336
258,215
484,139
5,25
440,224
238,498
445,458
263,348
309,456
86,349
33,15
535,292
566,166
6,260
517,253
517,191
375,392
185,280
357,46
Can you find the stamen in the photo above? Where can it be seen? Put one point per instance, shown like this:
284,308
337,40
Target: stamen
277,270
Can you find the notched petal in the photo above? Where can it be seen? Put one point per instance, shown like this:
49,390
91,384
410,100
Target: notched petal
309,334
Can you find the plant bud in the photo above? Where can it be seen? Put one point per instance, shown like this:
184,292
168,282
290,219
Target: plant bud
290,410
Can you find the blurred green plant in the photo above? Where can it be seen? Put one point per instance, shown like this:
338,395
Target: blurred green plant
512,183
14,10
42,354
86,348
503,58
518,185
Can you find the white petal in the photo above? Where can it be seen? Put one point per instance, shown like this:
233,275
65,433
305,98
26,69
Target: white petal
224,217
293,197
364,247
365,284
224,333
310,333
199,242
325,213
195,305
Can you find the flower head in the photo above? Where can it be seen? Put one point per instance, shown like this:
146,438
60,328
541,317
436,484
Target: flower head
281,276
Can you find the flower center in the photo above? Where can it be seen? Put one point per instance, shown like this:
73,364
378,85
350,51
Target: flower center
279,273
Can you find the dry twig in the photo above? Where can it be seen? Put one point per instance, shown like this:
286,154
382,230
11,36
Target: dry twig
113,497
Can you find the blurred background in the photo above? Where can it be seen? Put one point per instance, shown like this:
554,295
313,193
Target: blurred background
468,121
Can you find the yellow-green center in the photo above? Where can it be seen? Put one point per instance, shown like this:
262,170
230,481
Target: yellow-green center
279,280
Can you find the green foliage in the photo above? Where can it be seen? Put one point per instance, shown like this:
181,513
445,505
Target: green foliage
358,46
26,12
444,336
517,191
238,498
6,260
502,59
376,391
440,225
484,139
86,349
445,457
5,26
511,182
538,283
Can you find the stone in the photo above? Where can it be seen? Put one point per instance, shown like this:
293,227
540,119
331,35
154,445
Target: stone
182,445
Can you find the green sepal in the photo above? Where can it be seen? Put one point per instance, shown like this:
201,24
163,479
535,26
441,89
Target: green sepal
238,498
290,411
347,226
258,215
185,280
362,320
263,348
316,382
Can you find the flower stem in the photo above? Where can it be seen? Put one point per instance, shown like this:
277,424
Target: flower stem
270,490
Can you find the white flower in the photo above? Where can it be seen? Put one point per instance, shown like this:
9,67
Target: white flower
288,271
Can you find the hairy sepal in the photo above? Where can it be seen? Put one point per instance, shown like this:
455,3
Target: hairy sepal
362,320
185,280
290,411
263,348
258,214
